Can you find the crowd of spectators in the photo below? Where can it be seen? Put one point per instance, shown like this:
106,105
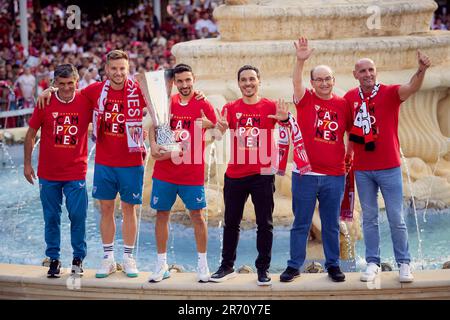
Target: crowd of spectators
441,20
135,30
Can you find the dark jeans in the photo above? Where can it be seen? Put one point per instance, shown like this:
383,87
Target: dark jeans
236,192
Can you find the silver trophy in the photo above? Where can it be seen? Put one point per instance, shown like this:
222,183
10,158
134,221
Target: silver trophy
154,88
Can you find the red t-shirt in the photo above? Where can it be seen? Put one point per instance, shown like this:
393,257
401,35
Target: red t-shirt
190,168
251,137
112,147
323,124
384,111
64,134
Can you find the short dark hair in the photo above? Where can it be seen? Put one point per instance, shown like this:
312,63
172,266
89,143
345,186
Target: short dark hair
168,74
180,68
247,67
66,71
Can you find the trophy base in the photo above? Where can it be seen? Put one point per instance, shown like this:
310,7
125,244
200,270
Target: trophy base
172,147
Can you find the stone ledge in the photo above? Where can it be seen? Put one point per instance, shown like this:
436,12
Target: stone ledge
276,20
30,282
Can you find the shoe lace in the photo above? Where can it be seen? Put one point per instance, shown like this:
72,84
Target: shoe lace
130,263
160,268
405,270
54,264
372,268
76,262
222,269
106,263
203,269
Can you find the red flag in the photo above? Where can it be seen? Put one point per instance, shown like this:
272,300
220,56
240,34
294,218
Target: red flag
348,202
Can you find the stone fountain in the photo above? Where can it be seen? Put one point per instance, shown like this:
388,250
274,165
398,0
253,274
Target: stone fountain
262,32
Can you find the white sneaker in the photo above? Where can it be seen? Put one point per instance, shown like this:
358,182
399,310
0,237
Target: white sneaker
405,273
371,272
203,274
161,272
108,266
129,267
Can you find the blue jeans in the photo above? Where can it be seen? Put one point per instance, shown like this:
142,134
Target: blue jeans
51,193
306,189
389,181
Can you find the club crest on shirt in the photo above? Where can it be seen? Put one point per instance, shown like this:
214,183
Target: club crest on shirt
238,115
55,114
317,107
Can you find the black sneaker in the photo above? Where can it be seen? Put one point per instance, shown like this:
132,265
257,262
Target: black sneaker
263,278
55,269
77,267
289,274
222,274
336,274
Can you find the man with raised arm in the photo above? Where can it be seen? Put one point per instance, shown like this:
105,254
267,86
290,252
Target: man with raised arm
377,162
323,118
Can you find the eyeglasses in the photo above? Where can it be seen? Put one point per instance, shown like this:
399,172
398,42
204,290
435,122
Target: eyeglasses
326,80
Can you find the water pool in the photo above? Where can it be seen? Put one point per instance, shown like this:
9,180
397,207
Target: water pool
22,239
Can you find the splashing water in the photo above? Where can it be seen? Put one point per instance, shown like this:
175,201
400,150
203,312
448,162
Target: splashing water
140,208
419,247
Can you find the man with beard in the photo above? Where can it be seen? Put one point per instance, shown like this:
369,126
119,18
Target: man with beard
182,173
250,171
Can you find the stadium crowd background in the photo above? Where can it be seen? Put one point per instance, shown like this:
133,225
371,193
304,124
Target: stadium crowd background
135,30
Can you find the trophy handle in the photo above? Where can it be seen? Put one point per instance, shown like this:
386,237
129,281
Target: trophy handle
140,77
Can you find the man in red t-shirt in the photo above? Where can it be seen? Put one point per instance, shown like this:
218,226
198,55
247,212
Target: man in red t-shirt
62,165
117,129
119,158
377,160
252,120
323,118
182,175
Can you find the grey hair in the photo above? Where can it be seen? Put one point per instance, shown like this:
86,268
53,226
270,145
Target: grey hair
66,71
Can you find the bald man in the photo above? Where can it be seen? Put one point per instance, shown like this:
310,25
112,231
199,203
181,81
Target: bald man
323,118
376,162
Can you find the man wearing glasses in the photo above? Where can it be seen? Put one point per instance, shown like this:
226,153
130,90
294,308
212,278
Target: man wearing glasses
323,118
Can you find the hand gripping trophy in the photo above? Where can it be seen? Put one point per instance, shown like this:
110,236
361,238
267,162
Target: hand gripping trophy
154,88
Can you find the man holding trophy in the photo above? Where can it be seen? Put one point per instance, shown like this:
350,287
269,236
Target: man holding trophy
177,143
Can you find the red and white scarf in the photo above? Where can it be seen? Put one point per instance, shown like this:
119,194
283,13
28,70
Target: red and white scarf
362,127
301,160
348,201
133,113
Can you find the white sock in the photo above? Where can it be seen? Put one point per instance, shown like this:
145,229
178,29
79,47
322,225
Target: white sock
202,261
128,251
108,250
162,258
